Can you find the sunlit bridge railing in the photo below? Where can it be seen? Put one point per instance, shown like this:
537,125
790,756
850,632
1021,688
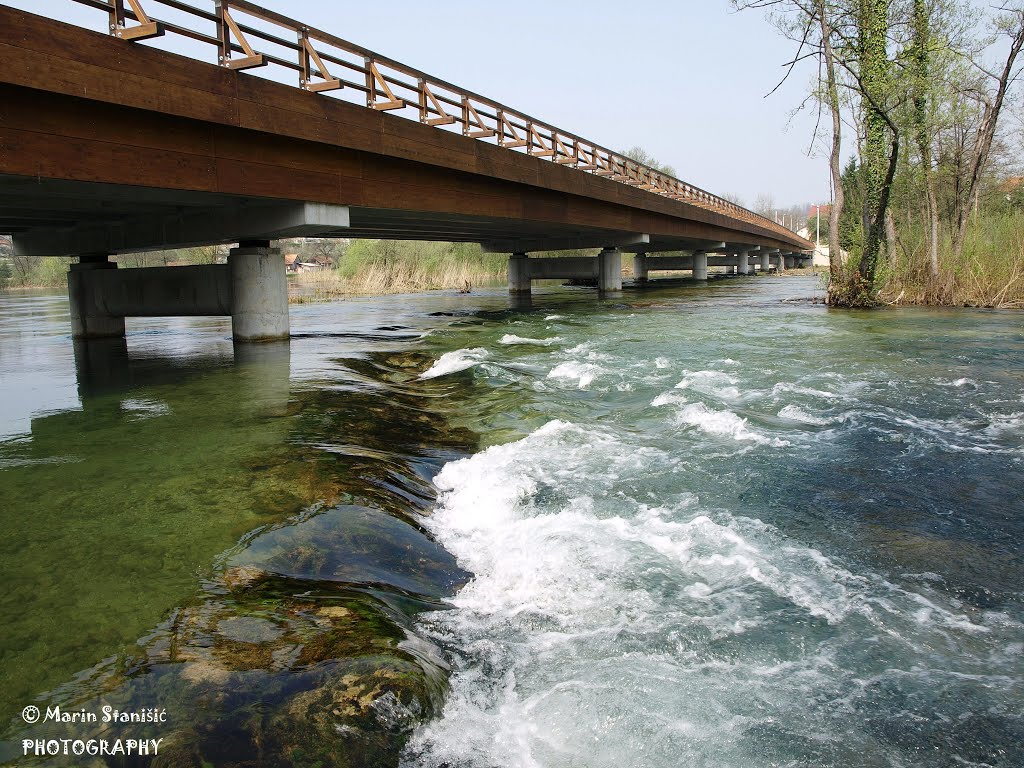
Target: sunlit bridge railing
247,36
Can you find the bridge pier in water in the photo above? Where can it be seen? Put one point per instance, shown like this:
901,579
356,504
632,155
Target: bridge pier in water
251,288
743,263
609,269
605,269
640,267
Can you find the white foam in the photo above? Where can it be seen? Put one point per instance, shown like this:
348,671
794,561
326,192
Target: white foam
669,398
582,373
554,317
796,413
714,383
958,383
510,338
796,389
1005,422
723,423
597,625
661,362
459,360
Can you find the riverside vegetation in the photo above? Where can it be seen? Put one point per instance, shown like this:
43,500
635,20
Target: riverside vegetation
929,209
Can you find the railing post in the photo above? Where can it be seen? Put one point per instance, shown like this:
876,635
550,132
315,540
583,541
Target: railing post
371,82
223,33
116,15
304,73
421,86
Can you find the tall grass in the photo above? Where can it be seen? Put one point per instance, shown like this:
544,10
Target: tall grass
377,267
990,273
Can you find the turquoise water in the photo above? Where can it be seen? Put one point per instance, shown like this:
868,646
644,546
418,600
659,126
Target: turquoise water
718,529
714,526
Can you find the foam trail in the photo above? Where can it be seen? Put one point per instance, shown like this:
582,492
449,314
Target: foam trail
566,645
451,362
509,339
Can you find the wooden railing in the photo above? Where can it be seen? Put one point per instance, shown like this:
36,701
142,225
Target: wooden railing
325,63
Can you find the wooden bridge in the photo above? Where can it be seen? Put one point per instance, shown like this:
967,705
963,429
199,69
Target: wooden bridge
109,144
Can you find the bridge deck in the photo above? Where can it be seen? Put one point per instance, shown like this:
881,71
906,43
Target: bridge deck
97,131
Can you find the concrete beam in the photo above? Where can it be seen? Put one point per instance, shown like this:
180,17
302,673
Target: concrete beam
564,268
577,242
187,229
669,262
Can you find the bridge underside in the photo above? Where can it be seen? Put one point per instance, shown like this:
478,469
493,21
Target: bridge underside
109,147
55,217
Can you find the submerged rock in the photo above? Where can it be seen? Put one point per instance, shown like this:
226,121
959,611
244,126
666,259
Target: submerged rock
282,672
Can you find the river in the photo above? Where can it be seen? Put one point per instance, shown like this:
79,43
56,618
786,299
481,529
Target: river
702,526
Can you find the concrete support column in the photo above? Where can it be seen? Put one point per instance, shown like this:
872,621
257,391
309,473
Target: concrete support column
519,274
790,262
89,318
700,265
259,292
743,263
609,270
640,267
780,263
765,261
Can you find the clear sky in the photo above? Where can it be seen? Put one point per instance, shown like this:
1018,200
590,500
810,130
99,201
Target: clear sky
685,79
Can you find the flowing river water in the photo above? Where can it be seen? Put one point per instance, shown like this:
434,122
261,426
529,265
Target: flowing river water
685,526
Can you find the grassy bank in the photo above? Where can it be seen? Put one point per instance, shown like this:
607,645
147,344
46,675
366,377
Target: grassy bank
378,267
990,273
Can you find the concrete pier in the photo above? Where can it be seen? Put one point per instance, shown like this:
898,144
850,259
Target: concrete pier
743,263
518,273
765,261
640,267
251,288
609,266
700,265
89,317
780,262
259,293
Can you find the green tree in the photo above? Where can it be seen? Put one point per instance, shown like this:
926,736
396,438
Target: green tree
644,158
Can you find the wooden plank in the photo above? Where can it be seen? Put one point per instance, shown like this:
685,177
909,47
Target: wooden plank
70,43
270,119
277,181
55,75
141,32
299,156
137,131
30,153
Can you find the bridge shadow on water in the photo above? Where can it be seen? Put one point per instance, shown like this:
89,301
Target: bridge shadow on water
242,552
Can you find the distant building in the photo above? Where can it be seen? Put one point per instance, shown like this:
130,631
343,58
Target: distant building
294,264
817,232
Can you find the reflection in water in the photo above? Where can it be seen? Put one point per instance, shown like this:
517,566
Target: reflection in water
217,541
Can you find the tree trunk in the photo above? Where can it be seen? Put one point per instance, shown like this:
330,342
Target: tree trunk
933,227
985,134
879,131
920,56
890,238
835,251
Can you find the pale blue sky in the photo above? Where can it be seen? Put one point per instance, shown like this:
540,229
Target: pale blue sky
686,80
